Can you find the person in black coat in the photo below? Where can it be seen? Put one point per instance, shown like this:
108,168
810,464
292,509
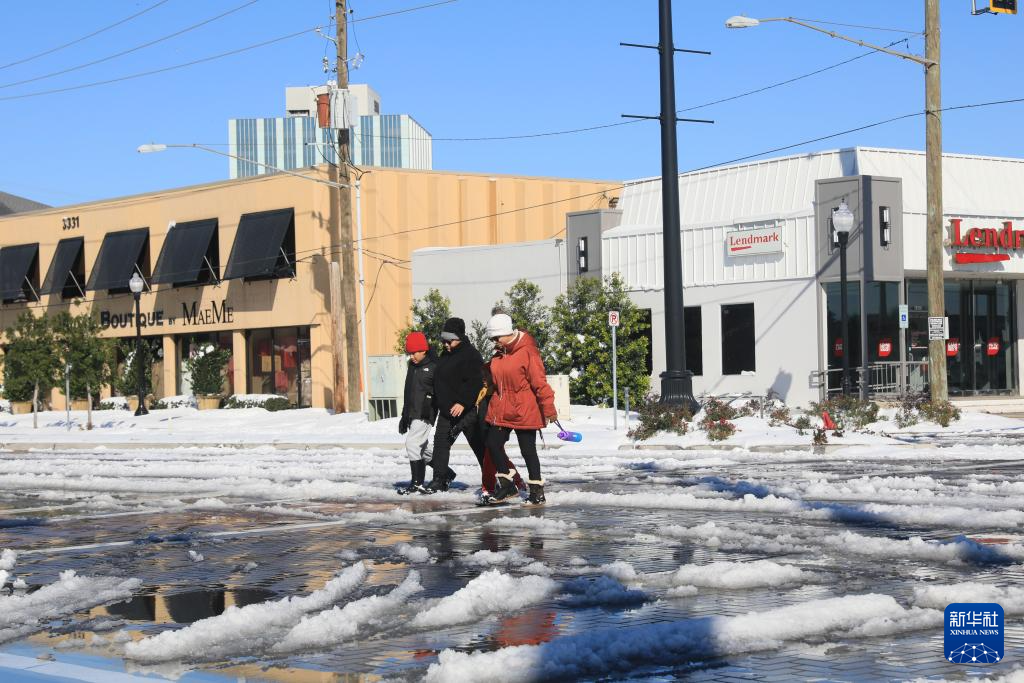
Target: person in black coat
418,411
457,384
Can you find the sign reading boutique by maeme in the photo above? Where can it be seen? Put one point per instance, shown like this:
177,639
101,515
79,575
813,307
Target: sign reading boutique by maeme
191,315
752,242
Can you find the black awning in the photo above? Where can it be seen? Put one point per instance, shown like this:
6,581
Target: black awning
15,264
258,243
119,254
181,258
61,267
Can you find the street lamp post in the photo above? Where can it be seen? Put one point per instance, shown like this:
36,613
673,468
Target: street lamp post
136,284
842,223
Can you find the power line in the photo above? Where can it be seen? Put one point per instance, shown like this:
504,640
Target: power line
130,50
869,28
210,58
83,38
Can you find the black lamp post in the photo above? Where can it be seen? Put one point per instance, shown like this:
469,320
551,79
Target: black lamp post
136,284
842,223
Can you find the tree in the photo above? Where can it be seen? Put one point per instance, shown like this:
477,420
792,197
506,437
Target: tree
581,341
523,304
126,383
428,316
206,368
30,364
78,339
481,342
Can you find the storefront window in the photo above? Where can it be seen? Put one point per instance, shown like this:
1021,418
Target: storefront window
738,339
834,326
153,350
881,310
694,345
279,363
188,343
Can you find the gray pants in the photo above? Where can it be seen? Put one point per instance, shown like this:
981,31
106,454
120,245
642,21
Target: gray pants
417,441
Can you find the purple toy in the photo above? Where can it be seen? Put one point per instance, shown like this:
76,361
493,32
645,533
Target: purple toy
565,435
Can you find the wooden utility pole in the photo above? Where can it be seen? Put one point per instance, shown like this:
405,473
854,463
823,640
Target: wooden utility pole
933,187
346,360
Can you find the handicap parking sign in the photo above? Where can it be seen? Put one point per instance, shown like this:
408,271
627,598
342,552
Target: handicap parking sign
974,633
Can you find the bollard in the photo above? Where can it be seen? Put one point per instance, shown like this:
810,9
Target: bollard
627,408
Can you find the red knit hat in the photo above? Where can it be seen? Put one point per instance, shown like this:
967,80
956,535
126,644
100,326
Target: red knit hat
416,341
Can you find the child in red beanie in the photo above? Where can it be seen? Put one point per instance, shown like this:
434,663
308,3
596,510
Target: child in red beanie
418,413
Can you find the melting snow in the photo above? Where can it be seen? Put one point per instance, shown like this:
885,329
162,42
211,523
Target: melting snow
490,593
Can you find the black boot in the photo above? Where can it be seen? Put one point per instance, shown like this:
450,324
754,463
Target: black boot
536,496
449,476
436,486
418,468
504,488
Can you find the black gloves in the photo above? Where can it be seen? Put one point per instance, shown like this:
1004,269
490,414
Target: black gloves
403,425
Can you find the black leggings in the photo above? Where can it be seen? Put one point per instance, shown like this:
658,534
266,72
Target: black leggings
496,439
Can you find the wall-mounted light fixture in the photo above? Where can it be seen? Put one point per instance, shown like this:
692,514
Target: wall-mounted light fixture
884,227
581,255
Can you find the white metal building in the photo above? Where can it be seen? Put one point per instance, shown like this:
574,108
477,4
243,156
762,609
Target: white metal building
761,275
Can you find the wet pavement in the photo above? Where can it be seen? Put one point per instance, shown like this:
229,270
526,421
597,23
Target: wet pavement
195,563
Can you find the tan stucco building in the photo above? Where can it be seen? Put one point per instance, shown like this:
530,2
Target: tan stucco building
244,264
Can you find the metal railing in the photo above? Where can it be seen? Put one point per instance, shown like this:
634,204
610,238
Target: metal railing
884,380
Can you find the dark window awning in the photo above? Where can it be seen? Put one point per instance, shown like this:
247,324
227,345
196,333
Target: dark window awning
15,264
62,266
258,244
181,258
119,254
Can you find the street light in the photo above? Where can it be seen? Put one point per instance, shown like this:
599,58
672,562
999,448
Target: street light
136,284
842,223
934,255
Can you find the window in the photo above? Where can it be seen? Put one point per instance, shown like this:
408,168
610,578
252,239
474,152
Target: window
738,339
694,347
188,343
279,363
19,273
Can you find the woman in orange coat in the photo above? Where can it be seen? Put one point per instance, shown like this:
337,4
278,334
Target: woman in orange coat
523,402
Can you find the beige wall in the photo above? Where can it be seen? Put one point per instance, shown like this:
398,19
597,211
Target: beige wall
399,210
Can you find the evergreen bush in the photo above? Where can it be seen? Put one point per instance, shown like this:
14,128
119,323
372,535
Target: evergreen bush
205,366
658,417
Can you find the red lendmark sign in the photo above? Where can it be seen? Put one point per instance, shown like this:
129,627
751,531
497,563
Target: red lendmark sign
984,238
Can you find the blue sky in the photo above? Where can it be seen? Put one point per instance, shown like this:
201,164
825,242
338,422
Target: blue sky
485,68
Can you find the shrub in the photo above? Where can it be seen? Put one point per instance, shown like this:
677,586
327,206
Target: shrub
173,402
718,430
802,424
658,417
113,404
271,403
848,412
941,412
779,416
126,382
820,437
206,366
30,364
716,410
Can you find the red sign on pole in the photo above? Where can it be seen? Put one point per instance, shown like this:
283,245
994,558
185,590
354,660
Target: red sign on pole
952,347
884,348
993,346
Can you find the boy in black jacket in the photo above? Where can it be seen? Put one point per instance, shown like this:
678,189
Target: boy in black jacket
418,413
457,385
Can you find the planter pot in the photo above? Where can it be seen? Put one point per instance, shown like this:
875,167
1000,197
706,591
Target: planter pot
21,407
208,402
80,404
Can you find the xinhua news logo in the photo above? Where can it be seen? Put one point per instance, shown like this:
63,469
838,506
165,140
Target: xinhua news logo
974,633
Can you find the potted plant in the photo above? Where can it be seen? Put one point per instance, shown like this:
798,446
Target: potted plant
30,366
206,365
88,355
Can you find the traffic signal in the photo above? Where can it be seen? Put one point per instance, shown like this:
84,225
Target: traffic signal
1003,6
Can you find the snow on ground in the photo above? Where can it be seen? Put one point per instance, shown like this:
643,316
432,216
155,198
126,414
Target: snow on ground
489,593
244,630
21,615
599,652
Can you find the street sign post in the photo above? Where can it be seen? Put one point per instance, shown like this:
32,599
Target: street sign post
613,322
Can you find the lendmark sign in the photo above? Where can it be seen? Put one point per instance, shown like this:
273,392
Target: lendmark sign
751,242
1004,238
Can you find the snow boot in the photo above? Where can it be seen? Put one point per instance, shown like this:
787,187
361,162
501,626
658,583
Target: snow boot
505,488
419,470
536,496
449,475
436,486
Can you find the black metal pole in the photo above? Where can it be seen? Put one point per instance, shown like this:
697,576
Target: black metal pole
140,370
843,313
677,380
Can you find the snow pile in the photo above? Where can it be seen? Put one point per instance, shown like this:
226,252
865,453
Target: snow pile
676,501
242,630
490,593
413,553
7,558
937,597
357,618
506,558
195,557
598,652
21,615
604,591
733,575
537,525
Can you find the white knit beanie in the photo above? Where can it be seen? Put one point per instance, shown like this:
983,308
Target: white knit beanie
499,325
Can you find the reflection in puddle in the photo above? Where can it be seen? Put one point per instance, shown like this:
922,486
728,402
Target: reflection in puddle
183,608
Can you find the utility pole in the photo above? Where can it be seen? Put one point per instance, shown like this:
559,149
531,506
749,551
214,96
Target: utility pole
343,312
933,189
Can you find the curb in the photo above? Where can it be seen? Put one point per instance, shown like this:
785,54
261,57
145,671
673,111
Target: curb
27,446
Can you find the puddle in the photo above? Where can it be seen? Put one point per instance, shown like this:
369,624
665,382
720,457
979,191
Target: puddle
183,608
